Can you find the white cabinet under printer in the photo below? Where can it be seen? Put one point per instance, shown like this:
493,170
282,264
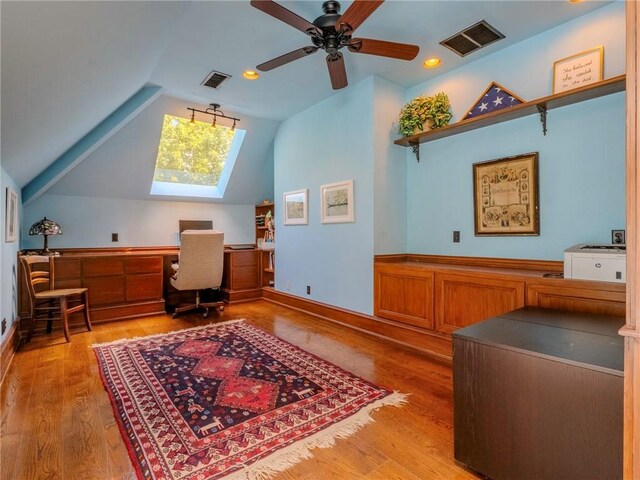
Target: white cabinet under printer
604,263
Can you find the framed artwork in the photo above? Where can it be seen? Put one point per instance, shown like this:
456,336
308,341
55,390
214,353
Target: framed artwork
578,70
495,97
618,237
505,196
296,207
11,216
337,202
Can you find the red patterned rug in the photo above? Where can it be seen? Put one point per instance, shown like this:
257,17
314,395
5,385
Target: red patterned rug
228,400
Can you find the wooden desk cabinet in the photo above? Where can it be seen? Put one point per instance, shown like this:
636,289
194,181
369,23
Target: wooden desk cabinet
241,280
120,286
538,396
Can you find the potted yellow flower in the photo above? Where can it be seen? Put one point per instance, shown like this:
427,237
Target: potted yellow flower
424,113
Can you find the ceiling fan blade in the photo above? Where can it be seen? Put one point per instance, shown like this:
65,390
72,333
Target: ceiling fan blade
337,71
286,58
357,13
403,51
287,16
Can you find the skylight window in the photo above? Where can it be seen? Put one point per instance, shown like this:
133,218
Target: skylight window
195,159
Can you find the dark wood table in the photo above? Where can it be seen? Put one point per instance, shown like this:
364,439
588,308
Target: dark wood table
538,394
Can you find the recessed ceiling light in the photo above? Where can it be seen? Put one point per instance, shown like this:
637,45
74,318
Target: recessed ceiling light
432,62
575,1
250,75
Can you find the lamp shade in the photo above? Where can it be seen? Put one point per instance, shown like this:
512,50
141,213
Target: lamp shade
45,227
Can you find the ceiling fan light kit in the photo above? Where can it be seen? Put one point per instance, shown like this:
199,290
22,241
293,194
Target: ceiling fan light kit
332,32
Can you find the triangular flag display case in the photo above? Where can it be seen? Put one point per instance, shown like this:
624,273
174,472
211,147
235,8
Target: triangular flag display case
495,97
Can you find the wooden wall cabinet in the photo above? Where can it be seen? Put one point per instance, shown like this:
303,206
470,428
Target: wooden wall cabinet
442,294
404,295
465,299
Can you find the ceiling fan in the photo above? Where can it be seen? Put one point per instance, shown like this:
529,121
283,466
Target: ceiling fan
331,32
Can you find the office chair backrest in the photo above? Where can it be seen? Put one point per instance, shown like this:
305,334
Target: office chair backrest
201,260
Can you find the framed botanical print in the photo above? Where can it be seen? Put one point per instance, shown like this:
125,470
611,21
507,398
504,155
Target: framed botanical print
505,196
337,202
11,216
296,207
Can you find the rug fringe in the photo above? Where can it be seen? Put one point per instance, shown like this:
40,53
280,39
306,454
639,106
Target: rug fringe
201,327
277,462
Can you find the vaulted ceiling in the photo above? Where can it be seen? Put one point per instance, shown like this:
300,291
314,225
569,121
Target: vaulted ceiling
67,65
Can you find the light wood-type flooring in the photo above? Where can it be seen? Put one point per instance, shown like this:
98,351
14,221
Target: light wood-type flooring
57,421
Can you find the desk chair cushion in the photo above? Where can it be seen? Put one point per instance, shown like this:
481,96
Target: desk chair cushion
200,261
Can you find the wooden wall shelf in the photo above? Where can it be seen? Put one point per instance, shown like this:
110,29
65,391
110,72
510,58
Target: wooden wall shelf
539,106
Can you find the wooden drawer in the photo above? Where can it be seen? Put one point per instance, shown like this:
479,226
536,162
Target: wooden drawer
577,299
144,287
245,259
243,278
66,268
99,267
144,265
462,300
105,290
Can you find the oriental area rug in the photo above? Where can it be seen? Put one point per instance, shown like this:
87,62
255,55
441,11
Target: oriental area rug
228,401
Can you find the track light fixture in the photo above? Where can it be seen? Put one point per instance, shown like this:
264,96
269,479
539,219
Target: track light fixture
215,112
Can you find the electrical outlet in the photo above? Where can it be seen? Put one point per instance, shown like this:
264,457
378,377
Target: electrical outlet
287,285
456,236
4,325
308,289
114,237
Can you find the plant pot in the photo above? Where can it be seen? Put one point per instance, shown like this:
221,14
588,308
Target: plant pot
425,127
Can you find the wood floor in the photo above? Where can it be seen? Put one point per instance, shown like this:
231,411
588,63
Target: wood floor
57,421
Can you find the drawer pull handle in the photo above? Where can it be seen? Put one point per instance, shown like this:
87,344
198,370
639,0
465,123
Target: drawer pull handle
598,265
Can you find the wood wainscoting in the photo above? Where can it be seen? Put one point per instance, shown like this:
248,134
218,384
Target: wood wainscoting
9,347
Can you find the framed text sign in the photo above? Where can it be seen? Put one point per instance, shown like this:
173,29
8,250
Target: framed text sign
578,70
505,199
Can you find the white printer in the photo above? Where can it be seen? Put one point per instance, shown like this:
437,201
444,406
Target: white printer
600,262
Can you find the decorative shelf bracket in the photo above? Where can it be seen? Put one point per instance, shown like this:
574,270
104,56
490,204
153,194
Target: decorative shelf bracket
542,110
415,146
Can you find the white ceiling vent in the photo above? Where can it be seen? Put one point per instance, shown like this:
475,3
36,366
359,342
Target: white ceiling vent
215,79
472,38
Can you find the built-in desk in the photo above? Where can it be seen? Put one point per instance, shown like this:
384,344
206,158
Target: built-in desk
538,395
126,283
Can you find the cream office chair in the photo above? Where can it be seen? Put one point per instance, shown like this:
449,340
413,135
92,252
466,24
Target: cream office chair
200,267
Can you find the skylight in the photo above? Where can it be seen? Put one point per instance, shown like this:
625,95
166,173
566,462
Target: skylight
195,159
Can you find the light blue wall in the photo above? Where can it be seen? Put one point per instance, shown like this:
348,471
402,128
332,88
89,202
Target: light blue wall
90,221
329,142
8,260
390,171
582,178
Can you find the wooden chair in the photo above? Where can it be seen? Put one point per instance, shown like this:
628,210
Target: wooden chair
45,300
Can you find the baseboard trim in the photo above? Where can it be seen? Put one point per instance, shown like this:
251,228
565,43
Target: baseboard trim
435,345
9,348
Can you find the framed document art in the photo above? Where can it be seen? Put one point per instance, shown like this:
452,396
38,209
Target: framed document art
337,202
505,196
296,207
11,216
578,70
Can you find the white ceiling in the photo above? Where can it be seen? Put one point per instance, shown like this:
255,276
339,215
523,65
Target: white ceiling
68,65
